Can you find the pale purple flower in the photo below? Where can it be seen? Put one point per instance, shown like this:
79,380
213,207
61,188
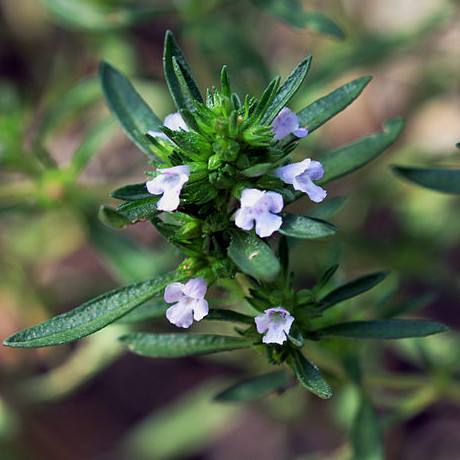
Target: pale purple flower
277,322
285,123
169,183
190,303
301,175
258,206
174,122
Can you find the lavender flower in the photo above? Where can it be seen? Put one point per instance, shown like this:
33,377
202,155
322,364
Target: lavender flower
169,184
190,305
285,123
301,175
277,322
173,121
257,206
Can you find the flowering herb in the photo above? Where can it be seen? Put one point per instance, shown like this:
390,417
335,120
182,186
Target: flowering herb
222,166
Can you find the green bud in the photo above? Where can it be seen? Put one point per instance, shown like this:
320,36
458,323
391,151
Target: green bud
224,268
214,162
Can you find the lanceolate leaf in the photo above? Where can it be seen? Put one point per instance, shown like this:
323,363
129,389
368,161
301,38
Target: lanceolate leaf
92,315
132,192
177,345
112,218
125,103
172,50
306,227
351,157
253,388
253,256
287,90
220,314
320,111
440,179
318,22
352,289
310,376
384,329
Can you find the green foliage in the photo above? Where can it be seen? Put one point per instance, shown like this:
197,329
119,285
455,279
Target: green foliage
306,227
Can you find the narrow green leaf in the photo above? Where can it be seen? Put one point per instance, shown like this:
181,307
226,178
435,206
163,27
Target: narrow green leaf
112,218
139,210
306,227
152,309
178,345
287,90
254,388
132,192
127,106
439,179
318,22
406,306
220,314
253,256
257,170
91,316
264,102
320,111
330,208
326,276
366,436
353,156
384,329
310,376
352,289
172,50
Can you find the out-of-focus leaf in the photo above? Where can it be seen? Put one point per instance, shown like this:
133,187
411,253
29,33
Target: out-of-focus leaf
353,156
287,90
310,376
352,289
183,97
326,276
112,218
366,434
127,106
253,256
254,388
177,345
291,11
384,329
91,316
306,227
407,305
220,314
439,179
320,111
329,209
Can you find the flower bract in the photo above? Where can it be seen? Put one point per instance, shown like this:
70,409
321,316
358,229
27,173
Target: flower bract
190,303
169,183
301,175
276,322
174,122
285,123
258,206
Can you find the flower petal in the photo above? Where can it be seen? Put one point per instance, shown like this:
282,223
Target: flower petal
169,201
158,134
267,223
250,197
289,172
200,309
274,201
300,132
262,322
180,315
306,185
275,335
181,169
195,288
284,123
175,122
315,170
173,292
244,219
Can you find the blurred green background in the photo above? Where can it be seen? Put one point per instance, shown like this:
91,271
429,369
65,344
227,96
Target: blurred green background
61,154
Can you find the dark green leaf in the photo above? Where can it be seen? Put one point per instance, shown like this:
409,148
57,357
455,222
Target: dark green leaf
320,111
153,309
177,345
439,179
181,98
366,436
91,316
353,156
112,218
310,376
406,306
287,90
352,289
306,227
125,103
326,276
139,210
254,388
384,329
132,192
330,208
219,314
253,256
318,22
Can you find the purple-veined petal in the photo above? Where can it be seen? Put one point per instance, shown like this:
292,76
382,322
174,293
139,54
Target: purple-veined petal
274,201
173,292
180,314
250,197
180,170
277,322
200,309
244,219
274,335
195,288
315,170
